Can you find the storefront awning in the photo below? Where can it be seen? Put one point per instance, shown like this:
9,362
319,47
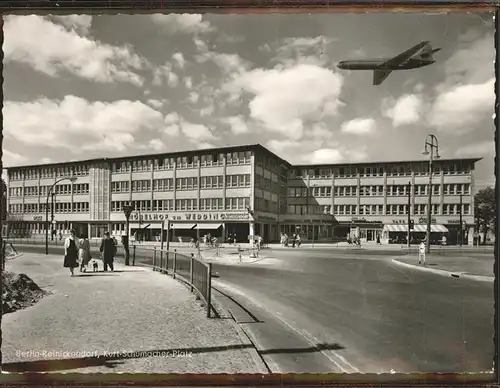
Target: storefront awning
182,226
208,226
435,228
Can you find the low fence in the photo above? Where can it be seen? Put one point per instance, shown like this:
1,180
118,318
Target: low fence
196,274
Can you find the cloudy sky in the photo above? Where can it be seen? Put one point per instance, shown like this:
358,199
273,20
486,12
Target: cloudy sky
92,86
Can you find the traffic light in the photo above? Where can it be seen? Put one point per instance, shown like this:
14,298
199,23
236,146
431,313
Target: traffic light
412,224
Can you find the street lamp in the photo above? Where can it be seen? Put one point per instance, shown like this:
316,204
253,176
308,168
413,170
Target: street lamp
431,144
127,209
71,179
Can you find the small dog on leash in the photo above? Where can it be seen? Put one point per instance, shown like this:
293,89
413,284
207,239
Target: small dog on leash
95,265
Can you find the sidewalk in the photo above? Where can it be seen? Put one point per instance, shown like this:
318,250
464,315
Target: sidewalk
477,268
133,320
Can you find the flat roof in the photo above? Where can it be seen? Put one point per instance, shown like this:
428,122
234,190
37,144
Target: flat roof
475,159
236,148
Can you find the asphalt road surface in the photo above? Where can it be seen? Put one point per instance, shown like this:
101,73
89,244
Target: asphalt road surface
324,311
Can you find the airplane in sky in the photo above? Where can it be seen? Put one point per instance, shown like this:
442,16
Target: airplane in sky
418,56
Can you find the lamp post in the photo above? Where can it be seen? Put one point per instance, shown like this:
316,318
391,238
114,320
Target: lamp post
71,179
127,209
431,149
250,216
53,205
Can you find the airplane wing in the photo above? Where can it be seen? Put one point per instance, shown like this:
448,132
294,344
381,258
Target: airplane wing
380,75
398,59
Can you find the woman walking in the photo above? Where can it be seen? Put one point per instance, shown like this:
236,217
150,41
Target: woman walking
71,252
84,253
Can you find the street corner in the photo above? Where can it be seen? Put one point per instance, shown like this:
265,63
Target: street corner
413,264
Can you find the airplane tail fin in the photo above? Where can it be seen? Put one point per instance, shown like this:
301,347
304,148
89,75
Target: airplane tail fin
427,52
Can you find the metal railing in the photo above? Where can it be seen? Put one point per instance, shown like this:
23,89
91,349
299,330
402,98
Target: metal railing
195,273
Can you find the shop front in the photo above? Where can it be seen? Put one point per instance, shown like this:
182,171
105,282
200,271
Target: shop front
182,227
397,232
366,230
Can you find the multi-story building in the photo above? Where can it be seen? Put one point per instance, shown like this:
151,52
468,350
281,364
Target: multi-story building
239,191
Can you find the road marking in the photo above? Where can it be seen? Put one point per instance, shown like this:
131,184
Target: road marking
308,337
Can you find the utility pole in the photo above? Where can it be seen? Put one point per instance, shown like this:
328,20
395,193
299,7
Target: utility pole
431,142
461,223
409,214
52,206
168,235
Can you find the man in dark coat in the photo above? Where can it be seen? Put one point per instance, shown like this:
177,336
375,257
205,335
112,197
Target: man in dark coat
108,250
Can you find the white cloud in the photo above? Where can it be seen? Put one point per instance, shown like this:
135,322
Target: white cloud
280,102
157,144
183,23
483,148
10,159
407,109
207,111
179,58
280,146
231,65
320,131
466,96
56,49
459,108
196,132
157,104
78,23
165,72
359,126
172,124
77,124
237,124
188,82
204,146
304,50
193,97
332,155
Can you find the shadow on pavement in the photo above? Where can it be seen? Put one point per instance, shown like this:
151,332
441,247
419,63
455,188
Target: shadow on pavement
113,360
312,349
84,275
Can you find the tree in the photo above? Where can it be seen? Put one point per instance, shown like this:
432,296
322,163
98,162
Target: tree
485,210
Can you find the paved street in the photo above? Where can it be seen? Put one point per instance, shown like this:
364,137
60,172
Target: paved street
133,320
385,317
363,312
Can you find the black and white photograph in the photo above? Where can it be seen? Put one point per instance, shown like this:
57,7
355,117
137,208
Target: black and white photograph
248,193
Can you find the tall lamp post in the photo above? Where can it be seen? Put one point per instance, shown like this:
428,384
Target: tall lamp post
71,179
127,209
431,149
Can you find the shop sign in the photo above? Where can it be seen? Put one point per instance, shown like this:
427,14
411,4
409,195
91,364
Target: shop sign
357,219
189,216
423,220
38,218
453,221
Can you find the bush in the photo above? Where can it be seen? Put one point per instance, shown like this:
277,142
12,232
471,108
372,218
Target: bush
19,292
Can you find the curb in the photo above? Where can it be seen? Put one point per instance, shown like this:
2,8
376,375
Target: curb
442,272
245,338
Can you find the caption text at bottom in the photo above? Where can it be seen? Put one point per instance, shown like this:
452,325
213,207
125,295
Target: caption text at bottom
105,354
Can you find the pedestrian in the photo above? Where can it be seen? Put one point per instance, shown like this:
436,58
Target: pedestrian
294,238
71,252
421,253
378,240
108,250
84,253
298,241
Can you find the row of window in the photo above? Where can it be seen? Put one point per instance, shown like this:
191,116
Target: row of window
60,207
189,183
49,172
340,210
391,190
30,191
232,203
188,161
419,169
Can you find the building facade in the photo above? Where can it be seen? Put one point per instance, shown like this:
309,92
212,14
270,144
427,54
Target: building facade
239,192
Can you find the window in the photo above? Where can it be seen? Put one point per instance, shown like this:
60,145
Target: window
237,203
237,180
119,187
166,184
163,205
141,185
186,204
186,183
